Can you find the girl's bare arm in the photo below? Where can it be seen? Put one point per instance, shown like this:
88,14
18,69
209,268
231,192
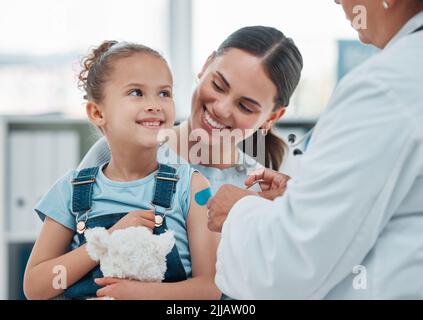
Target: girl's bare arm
49,260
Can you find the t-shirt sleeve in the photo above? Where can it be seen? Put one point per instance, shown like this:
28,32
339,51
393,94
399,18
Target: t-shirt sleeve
57,202
185,172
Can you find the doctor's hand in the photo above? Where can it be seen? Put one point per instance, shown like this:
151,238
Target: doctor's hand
273,183
220,205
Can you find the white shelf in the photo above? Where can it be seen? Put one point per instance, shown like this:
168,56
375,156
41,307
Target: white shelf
43,119
16,237
69,134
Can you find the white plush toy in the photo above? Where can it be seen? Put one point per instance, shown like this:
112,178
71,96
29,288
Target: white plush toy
132,253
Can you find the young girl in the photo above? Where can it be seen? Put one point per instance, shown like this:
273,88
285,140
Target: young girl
129,93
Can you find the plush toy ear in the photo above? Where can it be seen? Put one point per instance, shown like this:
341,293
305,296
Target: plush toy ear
165,242
97,242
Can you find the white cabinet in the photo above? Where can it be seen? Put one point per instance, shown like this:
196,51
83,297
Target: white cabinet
36,159
35,152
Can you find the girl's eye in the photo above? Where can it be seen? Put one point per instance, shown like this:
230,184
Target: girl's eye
244,108
217,87
136,93
165,94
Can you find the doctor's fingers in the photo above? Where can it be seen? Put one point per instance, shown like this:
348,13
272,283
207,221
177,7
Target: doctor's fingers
254,176
269,176
275,182
272,194
211,203
279,181
215,223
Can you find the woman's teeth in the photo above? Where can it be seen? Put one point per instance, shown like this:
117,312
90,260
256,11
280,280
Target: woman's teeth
213,123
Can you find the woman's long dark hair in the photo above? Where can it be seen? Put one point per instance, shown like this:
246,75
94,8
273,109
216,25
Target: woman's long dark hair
283,62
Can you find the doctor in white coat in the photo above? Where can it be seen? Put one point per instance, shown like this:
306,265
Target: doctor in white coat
350,224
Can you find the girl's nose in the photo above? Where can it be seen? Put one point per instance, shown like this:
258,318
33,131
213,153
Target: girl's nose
153,108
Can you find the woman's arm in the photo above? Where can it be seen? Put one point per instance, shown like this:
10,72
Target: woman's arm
48,253
203,245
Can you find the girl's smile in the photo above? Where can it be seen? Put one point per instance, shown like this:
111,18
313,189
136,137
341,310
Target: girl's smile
151,123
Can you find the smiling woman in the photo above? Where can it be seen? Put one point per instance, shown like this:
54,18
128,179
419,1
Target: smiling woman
247,84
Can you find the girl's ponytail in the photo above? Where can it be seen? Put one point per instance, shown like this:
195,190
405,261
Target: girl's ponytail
90,72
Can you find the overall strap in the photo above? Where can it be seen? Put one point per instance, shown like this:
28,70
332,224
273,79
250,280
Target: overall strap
165,187
83,189
175,270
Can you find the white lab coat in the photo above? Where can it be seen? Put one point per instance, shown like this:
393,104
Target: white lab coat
356,204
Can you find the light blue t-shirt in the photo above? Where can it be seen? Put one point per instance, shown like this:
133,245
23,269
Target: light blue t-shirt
116,197
235,175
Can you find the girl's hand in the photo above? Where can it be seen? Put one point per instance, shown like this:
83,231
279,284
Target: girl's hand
136,219
120,289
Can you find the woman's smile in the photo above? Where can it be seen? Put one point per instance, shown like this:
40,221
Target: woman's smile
210,123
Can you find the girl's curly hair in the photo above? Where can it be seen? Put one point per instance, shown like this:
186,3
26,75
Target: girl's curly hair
98,65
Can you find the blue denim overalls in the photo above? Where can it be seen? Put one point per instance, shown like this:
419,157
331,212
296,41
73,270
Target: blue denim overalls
165,187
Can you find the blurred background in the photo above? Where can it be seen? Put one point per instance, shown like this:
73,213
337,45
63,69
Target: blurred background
42,116
42,42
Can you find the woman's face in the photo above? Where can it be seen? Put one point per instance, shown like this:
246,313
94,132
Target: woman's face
234,92
364,15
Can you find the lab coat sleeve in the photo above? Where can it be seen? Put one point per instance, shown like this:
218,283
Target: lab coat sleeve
302,244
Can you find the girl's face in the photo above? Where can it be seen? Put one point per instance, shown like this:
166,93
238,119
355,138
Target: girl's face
234,92
137,100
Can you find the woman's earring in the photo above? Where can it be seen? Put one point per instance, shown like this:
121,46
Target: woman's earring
263,132
385,5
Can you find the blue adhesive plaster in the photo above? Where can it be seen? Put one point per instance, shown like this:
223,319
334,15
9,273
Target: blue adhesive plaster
203,196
